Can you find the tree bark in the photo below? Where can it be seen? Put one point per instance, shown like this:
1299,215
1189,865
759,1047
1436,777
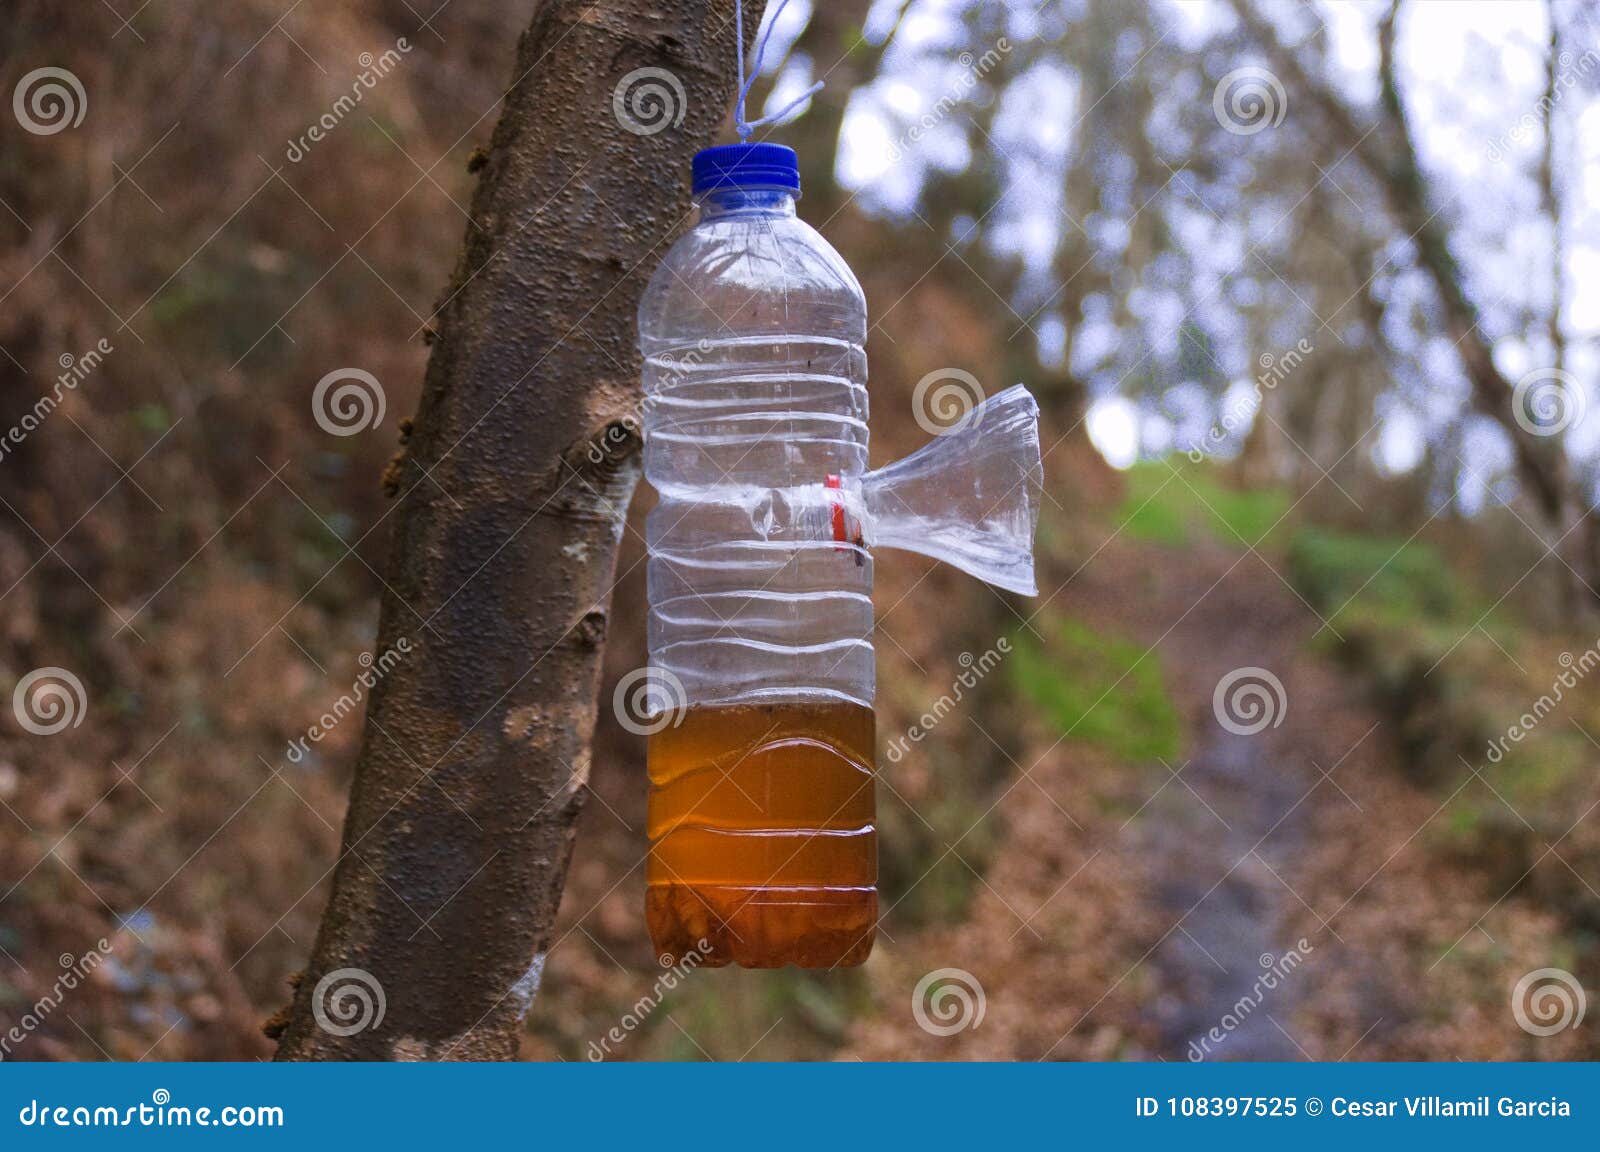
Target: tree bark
514,480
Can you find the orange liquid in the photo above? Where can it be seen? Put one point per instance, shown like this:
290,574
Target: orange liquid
763,850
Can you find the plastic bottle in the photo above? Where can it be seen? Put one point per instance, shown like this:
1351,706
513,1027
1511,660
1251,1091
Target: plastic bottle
763,849
761,819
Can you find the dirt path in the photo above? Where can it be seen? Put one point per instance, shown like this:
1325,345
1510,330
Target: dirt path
1208,823
1229,829
1214,867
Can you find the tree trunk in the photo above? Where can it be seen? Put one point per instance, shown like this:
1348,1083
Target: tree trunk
1391,158
515,479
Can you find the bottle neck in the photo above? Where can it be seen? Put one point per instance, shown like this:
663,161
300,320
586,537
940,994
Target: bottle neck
747,202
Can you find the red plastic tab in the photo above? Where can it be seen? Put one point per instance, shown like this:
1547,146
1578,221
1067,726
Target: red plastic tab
839,532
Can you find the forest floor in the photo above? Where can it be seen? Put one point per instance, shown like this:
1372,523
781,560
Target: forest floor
1273,894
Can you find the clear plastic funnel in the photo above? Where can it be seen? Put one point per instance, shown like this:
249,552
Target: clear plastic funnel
970,497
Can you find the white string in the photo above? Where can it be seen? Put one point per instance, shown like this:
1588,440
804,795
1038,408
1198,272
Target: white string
741,125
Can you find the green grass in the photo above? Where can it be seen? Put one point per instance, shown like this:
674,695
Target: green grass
1405,580
1402,599
1176,502
725,1014
1403,620
152,418
1100,690
1539,781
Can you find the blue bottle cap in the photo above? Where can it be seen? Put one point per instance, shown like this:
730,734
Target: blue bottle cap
746,166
